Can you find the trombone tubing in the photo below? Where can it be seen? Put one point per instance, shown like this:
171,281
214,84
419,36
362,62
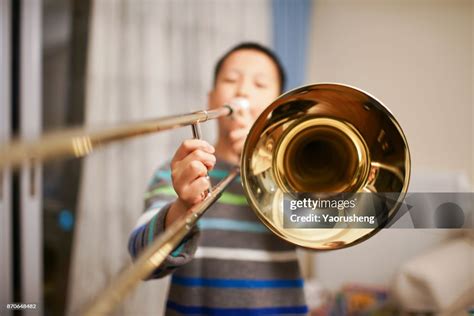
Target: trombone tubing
154,254
81,142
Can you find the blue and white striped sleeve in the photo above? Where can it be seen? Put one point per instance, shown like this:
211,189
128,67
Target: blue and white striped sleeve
158,199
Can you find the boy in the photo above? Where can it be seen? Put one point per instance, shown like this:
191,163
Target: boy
240,267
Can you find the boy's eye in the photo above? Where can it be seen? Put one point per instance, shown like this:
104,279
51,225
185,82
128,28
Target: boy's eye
229,79
261,85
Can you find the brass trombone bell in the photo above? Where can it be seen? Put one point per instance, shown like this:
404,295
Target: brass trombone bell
318,141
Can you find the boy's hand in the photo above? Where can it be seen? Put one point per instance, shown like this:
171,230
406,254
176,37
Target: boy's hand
189,167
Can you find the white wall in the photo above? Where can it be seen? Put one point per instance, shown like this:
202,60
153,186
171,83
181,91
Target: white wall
417,58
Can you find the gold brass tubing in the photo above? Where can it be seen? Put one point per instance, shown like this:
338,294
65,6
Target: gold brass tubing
81,142
394,170
154,254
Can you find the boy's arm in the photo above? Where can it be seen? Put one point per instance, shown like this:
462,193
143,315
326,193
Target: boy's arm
158,201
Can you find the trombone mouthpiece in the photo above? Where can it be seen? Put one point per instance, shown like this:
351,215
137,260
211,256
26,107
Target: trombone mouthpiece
239,103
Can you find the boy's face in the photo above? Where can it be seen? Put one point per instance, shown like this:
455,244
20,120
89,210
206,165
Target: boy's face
246,74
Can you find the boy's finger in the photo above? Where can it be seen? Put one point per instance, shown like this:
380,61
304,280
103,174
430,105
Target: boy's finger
191,145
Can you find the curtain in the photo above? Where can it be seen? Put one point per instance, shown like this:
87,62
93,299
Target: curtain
291,28
146,59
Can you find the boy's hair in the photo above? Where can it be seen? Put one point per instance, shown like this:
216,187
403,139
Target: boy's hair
259,48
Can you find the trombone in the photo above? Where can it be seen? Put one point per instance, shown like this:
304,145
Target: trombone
314,141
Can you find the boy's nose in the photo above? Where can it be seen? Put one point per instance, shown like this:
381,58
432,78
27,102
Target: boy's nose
243,89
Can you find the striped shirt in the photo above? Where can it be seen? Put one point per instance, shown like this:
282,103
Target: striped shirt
229,264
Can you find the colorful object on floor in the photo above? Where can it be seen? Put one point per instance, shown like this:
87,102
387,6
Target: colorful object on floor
360,300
